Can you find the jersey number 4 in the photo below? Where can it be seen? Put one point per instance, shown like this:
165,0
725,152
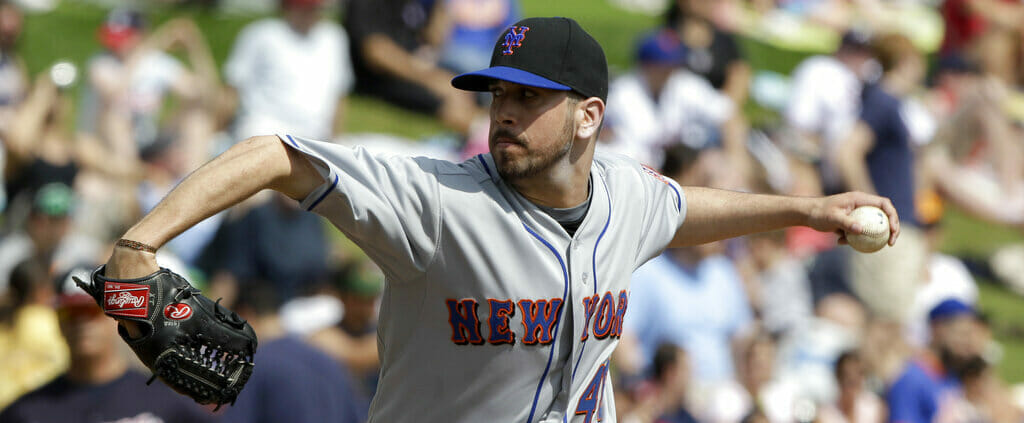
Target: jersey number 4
590,401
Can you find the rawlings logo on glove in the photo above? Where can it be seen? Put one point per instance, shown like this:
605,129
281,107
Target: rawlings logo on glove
193,344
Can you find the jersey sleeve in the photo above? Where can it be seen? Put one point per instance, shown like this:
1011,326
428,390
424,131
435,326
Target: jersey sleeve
388,205
664,211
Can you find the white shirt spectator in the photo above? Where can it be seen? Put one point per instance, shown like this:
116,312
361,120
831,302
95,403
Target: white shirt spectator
824,98
151,77
289,82
688,109
948,277
824,101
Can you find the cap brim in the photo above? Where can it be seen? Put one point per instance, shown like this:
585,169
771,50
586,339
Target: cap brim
481,80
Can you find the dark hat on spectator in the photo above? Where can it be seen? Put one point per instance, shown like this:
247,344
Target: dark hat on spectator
855,39
662,47
552,53
948,309
54,199
121,26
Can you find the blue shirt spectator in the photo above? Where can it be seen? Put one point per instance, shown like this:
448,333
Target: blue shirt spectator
294,382
475,24
698,307
126,398
276,242
921,391
891,161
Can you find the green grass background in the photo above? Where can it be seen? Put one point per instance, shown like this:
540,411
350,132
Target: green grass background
68,33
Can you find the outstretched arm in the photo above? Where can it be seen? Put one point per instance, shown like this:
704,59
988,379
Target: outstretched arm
247,168
713,214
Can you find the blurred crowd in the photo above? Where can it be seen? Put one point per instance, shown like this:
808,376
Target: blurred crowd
919,101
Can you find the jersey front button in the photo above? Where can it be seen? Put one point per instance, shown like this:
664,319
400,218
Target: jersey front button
585,276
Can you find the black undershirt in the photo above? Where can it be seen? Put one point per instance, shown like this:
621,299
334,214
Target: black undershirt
570,218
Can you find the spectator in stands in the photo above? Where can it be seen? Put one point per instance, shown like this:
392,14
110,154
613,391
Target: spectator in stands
276,241
42,149
47,235
877,156
98,385
989,398
714,54
394,51
691,297
975,160
672,377
663,397
928,386
13,79
294,381
473,27
292,73
756,393
127,84
32,350
785,302
353,341
13,76
987,31
660,104
823,106
855,403
806,354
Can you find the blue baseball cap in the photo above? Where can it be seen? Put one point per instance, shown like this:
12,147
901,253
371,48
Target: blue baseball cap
948,309
662,47
553,53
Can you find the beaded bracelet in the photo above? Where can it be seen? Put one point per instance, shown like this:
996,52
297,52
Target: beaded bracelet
135,245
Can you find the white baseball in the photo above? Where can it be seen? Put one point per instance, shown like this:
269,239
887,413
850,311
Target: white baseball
875,229
63,74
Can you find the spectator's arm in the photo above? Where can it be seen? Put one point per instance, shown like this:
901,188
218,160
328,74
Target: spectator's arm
961,191
439,27
359,354
29,119
108,81
737,82
851,158
91,154
184,33
383,54
1005,14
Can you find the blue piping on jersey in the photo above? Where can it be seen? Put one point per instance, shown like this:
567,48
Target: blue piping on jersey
593,262
484,162
554,339
328,190
324,195
679,199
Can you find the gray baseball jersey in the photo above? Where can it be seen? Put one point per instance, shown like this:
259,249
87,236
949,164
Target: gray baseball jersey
491,311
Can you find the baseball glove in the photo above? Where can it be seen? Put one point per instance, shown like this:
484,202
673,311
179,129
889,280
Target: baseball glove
194,345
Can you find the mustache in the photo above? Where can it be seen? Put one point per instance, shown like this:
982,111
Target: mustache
506,133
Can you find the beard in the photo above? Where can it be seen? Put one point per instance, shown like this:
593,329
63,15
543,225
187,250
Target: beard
535,161
954,363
